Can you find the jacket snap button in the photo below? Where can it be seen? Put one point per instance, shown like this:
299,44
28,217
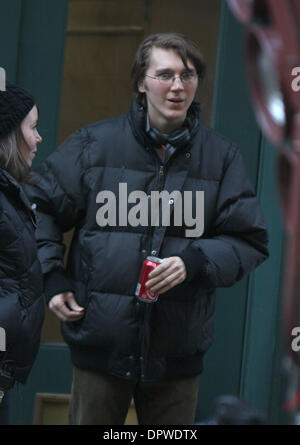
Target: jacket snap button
188,155
128,373
171,201
153,252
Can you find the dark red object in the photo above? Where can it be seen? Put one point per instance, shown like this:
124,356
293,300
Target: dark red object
273,51
292,404
142,292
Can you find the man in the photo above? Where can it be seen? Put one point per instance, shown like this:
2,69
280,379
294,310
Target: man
121,347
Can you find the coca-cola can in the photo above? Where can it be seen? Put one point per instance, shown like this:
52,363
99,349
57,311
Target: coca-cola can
142,292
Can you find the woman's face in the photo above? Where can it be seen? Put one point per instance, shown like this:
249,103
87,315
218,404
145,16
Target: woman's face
28,145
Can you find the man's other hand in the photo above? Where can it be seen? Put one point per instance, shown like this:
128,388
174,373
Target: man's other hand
65,307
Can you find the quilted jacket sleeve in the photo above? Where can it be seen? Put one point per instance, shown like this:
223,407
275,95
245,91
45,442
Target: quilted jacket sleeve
59,200
237,242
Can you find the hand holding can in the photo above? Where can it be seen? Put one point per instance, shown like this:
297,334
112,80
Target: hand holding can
142,292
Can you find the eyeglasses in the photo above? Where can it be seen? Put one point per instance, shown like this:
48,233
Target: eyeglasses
168,79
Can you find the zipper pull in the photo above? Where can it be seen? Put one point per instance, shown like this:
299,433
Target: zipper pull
161,170
33,209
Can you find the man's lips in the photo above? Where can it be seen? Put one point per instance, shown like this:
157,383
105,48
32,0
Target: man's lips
175,100
176,103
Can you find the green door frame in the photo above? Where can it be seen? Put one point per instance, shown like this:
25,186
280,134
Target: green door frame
32,36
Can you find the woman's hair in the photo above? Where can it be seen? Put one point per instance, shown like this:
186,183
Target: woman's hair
11,158
182,45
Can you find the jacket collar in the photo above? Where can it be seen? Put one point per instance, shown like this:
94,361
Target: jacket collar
7,182
9,186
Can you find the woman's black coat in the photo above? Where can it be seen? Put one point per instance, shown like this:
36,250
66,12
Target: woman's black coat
21,304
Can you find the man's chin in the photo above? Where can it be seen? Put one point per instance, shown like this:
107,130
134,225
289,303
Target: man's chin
175,119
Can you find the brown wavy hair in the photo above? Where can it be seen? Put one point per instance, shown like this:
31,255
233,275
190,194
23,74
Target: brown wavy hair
11,158
182,45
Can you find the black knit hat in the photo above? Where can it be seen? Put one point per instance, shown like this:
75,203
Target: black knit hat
15,104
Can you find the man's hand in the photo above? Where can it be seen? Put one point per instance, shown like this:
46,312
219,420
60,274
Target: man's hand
168,274
65,307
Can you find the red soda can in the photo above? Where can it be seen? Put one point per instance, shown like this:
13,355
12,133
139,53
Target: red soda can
142,292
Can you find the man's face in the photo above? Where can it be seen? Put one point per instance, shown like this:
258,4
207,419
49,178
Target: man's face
167,103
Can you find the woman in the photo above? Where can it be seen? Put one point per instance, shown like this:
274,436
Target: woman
21,305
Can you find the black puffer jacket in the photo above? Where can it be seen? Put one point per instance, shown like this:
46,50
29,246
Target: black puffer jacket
21,287
118,335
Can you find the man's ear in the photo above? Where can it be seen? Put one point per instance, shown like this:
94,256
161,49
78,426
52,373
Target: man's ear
141,86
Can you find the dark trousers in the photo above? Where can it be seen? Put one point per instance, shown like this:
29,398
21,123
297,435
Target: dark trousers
99,399
4,410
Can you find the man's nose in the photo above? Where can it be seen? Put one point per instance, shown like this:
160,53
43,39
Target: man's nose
177,83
